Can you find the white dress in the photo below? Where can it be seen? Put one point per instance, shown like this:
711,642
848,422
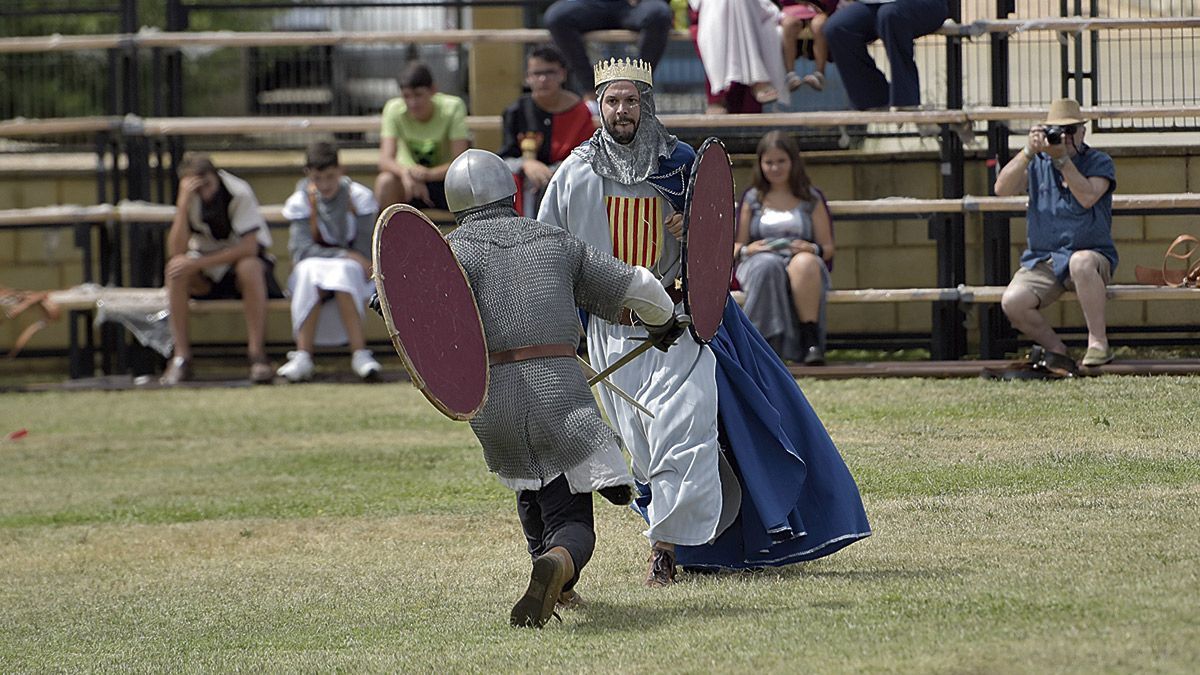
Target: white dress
676,453
740,41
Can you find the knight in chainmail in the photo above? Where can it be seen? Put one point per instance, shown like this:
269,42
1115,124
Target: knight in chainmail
540,429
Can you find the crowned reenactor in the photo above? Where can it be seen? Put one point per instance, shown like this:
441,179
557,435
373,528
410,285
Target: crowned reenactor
785,495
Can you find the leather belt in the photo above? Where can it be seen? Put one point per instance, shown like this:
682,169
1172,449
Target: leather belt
530,352
626,318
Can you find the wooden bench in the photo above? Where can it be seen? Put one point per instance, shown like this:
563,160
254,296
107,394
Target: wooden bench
969,295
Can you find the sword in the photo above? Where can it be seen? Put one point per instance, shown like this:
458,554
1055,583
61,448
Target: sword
682,320
591,373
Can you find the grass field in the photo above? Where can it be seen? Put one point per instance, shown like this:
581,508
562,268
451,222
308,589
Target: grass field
1019,527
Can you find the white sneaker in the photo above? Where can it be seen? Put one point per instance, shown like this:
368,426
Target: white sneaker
364,364
299,367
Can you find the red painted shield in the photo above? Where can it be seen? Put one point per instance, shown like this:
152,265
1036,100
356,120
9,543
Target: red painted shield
709,221
430,312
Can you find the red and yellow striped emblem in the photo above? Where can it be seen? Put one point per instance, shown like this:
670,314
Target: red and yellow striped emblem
635,225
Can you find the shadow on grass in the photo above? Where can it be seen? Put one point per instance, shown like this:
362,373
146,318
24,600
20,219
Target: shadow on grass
600,616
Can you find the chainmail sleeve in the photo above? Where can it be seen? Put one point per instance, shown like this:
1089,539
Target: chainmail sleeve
601,281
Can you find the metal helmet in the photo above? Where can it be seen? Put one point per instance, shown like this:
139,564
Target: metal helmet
477,177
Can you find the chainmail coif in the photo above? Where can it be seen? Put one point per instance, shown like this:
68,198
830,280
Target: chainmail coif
632,163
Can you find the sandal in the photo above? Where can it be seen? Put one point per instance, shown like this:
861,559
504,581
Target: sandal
794,81
765,93
815,79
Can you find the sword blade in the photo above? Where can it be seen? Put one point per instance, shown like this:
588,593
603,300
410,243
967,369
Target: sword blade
591,373
629,356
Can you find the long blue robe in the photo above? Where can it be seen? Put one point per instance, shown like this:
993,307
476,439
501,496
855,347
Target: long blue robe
799,501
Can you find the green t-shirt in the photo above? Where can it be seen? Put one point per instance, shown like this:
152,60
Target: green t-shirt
425,143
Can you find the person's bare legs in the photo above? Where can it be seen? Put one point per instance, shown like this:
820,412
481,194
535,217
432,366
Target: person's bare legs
791,33
307,336
389,189
1020,305
179,292
348,310
804,276
1093,296
820,46
252,284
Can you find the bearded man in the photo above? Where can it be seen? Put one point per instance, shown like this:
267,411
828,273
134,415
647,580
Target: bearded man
785,495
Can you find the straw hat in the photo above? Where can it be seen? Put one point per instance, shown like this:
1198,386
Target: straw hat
1065,111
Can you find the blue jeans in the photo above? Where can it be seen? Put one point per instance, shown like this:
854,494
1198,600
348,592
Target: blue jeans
568,20
852,27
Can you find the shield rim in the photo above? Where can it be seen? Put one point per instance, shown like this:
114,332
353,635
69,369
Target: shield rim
687,216
378,278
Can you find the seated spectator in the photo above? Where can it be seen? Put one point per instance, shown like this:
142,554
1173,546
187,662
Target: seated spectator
799,15
421,133
784,246
1069,233
332,218
739,42
568,20
217,248
542,127
737,98
897,23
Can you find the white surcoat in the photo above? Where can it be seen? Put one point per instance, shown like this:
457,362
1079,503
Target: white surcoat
676,452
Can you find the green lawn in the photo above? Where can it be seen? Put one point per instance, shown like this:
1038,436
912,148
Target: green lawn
1019,527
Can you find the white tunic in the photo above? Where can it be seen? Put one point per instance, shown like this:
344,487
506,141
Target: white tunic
676,452
313,275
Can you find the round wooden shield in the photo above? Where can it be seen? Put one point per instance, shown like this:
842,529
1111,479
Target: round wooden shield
709,222
430,312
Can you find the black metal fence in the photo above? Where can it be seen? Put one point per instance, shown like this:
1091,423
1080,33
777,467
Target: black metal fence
1121,67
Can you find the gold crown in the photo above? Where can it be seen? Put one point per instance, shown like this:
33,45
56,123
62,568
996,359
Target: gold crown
623,69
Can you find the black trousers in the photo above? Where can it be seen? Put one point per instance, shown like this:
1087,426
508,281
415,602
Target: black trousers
552,516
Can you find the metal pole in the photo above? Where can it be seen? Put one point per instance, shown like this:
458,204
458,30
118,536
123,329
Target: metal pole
996,336
949,339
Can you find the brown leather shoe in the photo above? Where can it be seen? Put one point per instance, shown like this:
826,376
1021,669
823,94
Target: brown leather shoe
569,600
261,372
178,370
550,572
662,568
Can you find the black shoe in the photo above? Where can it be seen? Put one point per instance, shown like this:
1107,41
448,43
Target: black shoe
1058,364
813,356
810,342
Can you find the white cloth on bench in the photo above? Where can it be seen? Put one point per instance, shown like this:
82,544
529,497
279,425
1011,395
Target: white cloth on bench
311,276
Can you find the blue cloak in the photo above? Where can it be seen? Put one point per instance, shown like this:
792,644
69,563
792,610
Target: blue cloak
799,501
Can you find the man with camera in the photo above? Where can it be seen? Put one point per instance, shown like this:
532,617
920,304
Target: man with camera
1069,241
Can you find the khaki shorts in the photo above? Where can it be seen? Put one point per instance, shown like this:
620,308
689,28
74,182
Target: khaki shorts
1042,283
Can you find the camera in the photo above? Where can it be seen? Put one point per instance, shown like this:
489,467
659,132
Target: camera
1054,133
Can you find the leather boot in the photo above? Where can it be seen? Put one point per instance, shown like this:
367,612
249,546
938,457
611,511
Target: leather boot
810,340
662,568
551,571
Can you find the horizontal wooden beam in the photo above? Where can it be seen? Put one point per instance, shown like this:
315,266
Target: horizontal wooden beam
22,127
88,296
153,38
145,212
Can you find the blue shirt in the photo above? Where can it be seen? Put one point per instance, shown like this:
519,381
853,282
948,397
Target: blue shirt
1058,225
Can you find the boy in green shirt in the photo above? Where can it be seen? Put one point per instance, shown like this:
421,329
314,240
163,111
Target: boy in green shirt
421,133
